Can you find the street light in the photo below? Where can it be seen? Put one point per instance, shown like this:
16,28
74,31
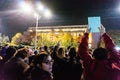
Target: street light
36,26
27,8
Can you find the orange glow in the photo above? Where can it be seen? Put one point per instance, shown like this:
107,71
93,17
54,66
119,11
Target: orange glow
90,38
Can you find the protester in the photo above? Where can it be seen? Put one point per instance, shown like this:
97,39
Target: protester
101,67
42,67
60,63
14,68
74,66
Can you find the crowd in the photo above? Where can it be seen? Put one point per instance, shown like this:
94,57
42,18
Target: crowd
56,63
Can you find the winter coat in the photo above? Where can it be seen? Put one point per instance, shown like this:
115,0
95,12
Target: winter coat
99,69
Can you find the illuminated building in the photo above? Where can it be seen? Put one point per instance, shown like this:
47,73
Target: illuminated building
75,30
54,33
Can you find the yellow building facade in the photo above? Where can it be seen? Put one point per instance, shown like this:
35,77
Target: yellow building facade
75,30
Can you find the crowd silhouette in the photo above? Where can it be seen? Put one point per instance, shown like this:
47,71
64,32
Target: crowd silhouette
56,63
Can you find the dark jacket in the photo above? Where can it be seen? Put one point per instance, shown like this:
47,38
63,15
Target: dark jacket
39,74
14,69
74,70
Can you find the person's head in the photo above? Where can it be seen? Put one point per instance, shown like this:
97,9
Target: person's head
35,52
100,54
45,48
43,61
61,52
72,52
10,51
21,53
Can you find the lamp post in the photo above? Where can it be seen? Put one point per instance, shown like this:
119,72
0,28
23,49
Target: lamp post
36,26
37,16
27,8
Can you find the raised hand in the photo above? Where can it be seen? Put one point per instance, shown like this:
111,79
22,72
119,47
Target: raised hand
88,30
102,29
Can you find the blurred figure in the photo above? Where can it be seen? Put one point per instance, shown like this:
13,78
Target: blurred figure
10,51
3,51
101,67
42,67
14,68
60,63
1,58
67,51
46,49
61,53
74,67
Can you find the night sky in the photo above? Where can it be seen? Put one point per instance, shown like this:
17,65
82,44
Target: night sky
65,12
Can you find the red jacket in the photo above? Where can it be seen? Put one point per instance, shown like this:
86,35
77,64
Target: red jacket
99,69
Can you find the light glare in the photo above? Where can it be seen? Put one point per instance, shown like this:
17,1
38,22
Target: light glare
48,14
26,7
40,7
36,15
117,48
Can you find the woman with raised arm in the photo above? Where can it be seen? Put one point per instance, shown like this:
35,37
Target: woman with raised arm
105,65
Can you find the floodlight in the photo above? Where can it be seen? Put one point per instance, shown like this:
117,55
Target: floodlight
26,7
47,13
